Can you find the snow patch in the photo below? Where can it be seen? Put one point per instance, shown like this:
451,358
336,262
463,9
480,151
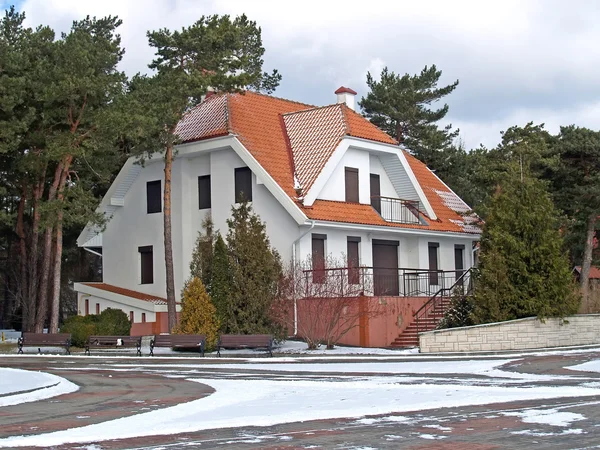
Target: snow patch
243,403
546,417
22,386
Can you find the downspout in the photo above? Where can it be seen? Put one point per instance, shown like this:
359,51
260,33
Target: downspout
294,272
92,252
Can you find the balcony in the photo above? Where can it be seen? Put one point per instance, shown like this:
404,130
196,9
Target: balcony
377,281
397,210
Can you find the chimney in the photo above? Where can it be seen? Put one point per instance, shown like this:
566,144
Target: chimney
346,95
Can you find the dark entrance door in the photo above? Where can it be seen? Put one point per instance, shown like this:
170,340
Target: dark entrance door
385,267
375,192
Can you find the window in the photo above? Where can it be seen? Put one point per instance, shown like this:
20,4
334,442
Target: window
146,265
351,184
375,192
243,184
143,317
318,257
204,192
153,194
131,316
97,308
433,264
353,260
87,306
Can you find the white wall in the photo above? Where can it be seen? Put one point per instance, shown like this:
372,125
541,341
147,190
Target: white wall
131,227
335,188
413,248
105,303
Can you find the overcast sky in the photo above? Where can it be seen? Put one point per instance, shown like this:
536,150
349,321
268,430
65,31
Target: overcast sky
517,61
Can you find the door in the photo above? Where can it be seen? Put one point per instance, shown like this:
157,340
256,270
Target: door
376,192
385,267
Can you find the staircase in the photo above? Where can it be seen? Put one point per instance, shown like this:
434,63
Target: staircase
429,315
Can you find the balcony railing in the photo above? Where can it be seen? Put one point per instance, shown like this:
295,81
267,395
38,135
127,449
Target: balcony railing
397,210
354,281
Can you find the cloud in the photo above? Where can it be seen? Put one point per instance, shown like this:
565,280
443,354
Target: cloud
512,58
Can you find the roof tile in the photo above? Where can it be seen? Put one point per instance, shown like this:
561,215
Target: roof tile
294,140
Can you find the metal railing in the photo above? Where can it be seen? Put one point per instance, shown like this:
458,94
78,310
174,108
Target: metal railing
376,281
463,286
397,210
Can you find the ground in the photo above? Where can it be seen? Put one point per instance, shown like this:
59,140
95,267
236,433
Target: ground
367,401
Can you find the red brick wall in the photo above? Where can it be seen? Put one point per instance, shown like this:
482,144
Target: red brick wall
161,325
381,319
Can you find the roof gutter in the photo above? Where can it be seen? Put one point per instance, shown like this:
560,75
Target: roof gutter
87,249
397,230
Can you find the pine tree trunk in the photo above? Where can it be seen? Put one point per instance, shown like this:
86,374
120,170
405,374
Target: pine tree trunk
56,272
170,278
22,291
32,290
58,248
42,308
587,257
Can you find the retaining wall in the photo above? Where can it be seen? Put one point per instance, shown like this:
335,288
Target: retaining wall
521,334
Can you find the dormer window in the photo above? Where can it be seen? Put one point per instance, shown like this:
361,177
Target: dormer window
351,184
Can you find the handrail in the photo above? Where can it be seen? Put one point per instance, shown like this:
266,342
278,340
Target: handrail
397,210
380,281
436,298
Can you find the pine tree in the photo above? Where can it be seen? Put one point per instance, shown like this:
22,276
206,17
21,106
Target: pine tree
256,272
198,313
576,184
221,282
401,106
524,270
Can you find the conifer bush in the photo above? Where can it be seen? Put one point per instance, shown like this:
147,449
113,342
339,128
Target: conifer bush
524,270
113,322
198,314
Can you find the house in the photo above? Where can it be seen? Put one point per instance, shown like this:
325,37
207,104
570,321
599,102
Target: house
324,180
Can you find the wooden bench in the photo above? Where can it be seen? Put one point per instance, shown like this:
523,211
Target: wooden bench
44,340
104,342
178,341
243,341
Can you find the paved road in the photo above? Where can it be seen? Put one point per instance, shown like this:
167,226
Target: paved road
107,393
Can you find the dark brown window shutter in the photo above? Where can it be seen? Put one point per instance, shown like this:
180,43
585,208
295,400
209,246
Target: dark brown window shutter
318,258
153,197
204,192
353,260
243,184
351,184
147,264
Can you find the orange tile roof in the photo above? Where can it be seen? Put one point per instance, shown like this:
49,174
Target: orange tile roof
128,293
313,135
594,272
289,139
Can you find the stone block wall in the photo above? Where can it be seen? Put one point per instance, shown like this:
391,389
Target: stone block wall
521,334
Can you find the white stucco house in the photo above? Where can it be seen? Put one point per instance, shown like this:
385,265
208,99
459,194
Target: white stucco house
323,179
